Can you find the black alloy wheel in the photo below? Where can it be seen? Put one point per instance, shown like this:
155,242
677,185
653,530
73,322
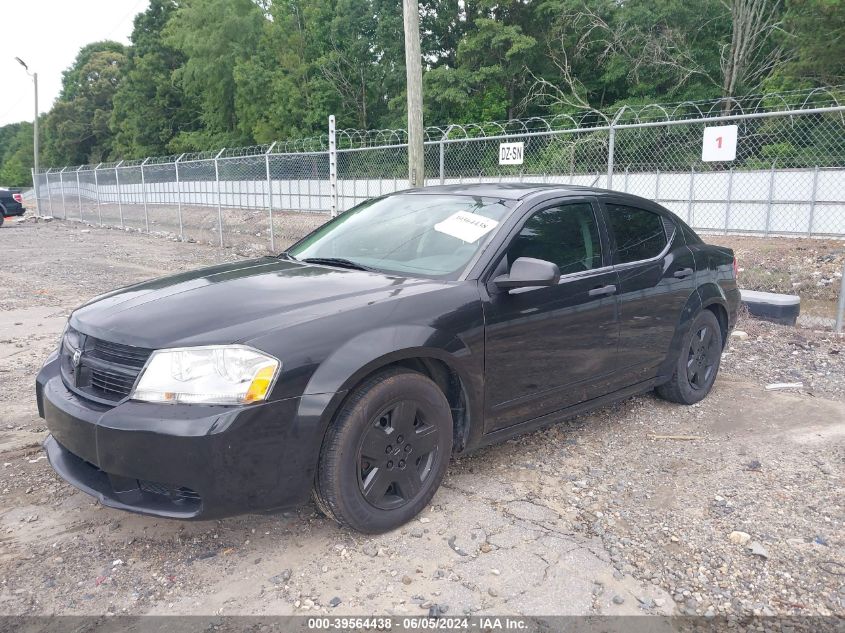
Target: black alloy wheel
703,357
395,456
385,453
698,361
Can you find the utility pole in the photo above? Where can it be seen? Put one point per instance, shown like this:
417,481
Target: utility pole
413,74
34,134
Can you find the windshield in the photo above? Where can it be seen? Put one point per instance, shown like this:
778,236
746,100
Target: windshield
414,234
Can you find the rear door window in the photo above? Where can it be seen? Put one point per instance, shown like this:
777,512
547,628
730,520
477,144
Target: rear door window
639,234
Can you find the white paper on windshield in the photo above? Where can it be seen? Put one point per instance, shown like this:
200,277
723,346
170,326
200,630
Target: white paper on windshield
466,226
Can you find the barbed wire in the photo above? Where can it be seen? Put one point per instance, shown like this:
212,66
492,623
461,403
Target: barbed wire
586,119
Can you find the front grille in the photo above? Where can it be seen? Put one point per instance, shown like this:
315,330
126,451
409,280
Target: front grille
120,354
112,383
104,371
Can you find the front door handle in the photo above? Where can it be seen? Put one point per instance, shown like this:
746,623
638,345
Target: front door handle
684,272
602,290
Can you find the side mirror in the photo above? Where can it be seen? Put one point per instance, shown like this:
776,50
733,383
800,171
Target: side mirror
527,272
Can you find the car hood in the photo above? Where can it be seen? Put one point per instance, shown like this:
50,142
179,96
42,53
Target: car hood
233,302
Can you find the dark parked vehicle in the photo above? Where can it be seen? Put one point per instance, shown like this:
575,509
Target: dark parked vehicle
413,327
11,203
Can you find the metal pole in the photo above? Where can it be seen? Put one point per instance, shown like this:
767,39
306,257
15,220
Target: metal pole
117,184
771,194
49,192
657,186
840,313
413,78
79,194
144,194
443,154
97,188
813,201
730,196
35,138
179,199
35,148
219,205
611,147
332,166
442,161
270,195
691,194
62,183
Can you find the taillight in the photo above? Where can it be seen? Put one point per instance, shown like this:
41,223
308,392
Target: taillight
18,198
735,268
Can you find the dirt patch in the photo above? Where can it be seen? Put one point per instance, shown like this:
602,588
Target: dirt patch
602,514
811,268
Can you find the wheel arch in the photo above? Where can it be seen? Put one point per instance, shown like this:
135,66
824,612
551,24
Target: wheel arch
713,298
443,358
708,296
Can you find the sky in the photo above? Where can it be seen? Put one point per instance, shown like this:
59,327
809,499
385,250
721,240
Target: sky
47,35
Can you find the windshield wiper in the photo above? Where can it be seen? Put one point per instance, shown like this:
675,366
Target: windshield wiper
336,261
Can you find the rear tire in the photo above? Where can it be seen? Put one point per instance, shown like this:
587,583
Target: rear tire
698,362
385,453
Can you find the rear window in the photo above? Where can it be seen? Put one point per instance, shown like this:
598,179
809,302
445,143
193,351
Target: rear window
639,234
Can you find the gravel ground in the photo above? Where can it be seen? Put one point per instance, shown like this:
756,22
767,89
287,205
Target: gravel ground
731,507
808,267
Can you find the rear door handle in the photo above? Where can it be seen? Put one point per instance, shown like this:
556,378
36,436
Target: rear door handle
684,272
602,290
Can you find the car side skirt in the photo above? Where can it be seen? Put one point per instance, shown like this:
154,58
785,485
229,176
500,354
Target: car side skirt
558,416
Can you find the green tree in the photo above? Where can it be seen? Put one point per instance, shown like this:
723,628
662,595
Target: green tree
489,79
214,36
16,156
77,128
150,109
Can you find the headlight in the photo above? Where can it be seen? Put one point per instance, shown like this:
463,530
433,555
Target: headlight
230,374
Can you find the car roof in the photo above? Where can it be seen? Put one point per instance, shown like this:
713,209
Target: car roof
512,190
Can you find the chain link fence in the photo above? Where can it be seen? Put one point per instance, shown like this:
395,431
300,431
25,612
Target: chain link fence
786,179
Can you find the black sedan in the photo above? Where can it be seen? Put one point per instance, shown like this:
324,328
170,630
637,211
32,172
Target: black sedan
411,328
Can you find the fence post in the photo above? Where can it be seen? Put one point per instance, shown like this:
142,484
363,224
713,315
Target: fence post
217,189
79,194
179,198
840,313
813,200
611,147
270,195
144,194
49,191
730,196
443,154
62,183
771,194
117,184
657,186
97,188
332,165
35,188
691,195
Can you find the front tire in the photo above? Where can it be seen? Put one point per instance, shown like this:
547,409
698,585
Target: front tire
386,452
698,362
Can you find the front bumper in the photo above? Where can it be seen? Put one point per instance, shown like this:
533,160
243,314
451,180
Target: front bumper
179,461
